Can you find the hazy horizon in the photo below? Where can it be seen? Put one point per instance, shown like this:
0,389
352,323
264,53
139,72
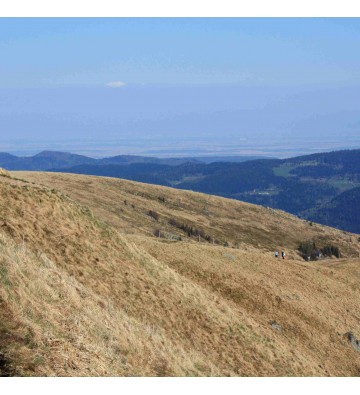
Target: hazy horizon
179,86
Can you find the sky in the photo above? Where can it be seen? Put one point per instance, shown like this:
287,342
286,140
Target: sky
173,86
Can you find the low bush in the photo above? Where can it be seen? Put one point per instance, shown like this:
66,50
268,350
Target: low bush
154,215
190,230
309,251
330,250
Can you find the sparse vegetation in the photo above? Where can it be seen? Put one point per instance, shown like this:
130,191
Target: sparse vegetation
157,233
166,235
190,230
310,252
154,215
331,250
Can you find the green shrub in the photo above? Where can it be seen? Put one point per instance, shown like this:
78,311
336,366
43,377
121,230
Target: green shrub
309,251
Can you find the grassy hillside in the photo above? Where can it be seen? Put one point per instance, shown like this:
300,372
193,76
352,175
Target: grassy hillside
125,205
87,289
302,185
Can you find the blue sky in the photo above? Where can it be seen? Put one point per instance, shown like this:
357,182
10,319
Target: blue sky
179,82
87,51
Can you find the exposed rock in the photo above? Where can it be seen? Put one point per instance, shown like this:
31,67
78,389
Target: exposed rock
353,340
230,256
276,326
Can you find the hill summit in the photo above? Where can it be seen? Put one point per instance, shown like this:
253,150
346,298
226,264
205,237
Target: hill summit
106,277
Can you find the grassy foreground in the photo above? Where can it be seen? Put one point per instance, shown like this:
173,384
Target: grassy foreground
86,289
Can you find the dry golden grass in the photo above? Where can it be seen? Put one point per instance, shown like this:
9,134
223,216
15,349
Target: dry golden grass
240,224
85,289
4,173
61,328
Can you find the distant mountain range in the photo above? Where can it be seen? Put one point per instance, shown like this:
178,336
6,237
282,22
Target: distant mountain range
48,160
322,187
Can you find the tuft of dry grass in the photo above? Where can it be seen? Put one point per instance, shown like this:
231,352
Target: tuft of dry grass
4,173
86,290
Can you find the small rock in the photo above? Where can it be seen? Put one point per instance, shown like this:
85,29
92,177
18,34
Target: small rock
353,340
226,255
276,326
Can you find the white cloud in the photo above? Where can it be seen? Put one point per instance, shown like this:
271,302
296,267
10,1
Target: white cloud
115,84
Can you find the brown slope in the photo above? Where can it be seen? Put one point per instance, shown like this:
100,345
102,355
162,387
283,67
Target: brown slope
125,205
196,309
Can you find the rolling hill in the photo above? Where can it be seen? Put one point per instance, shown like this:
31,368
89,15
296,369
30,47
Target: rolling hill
48,160
303,186
314,187
108,277
341,212
43,161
